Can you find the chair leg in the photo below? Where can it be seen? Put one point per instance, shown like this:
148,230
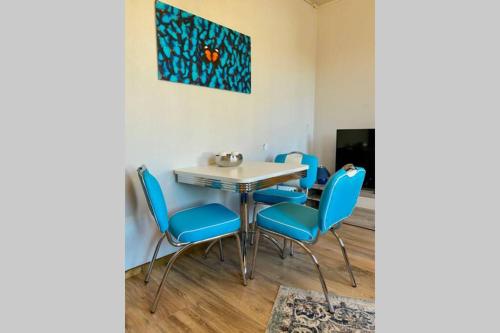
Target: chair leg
272,239
254,218
255,249
291,243
290,248
347,263
242,267
164,279
321,278
209,247
150,268
221,253
285,248
275,242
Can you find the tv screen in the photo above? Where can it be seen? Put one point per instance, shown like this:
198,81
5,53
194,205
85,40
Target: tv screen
357,146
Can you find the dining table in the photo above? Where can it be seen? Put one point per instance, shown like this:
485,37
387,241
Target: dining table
245,178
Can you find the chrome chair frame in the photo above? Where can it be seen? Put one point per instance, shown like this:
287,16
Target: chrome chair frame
281,250
171,241
184,246
272,239
209,247
264,231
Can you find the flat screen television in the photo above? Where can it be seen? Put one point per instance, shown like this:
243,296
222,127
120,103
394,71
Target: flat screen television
357,146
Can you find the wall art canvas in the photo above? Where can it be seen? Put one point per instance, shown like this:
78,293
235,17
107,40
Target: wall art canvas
194,50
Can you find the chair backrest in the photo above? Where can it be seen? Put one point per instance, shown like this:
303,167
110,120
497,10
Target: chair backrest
300,158
340,196
154,197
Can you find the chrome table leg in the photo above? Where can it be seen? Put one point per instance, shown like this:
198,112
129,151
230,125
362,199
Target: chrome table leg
344,253
240,256
244,227
254,219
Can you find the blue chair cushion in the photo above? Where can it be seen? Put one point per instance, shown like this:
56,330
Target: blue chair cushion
156,201
204,222
273,196
339,197
292,220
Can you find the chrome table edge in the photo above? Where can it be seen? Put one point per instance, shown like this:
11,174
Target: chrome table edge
239,187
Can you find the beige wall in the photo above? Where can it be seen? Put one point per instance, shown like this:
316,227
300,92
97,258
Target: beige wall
170,125
344,72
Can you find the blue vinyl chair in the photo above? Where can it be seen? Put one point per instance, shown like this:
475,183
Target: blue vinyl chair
273,196
187,227
303,224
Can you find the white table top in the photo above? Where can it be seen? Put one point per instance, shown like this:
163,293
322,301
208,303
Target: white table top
247,172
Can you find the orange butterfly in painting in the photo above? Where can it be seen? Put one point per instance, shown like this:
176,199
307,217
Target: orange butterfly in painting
211,56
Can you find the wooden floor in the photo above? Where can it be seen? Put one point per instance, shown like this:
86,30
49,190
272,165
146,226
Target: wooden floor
206,295
362,217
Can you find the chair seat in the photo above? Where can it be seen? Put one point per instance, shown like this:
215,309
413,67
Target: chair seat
203,222
292,220
273,196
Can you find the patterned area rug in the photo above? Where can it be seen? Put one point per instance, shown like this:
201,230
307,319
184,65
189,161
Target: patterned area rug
301,311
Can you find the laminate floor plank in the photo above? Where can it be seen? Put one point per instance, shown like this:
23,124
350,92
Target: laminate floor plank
206,295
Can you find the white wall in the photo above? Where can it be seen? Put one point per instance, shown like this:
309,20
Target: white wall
171,125
344,72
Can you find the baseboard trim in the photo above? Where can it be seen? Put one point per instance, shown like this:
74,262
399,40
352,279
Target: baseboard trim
359,226
362,218
144,267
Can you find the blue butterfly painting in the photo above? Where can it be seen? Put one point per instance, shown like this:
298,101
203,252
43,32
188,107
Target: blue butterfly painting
194,50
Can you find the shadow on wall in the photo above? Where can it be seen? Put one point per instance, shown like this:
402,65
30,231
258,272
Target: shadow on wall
206,158
142,235
310,145
143,232
135,203
130,193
